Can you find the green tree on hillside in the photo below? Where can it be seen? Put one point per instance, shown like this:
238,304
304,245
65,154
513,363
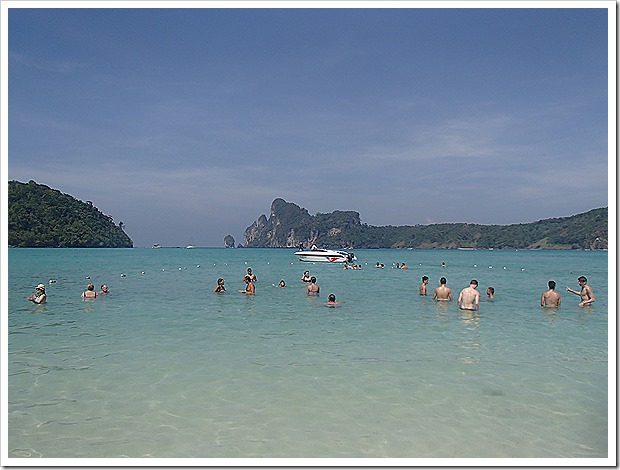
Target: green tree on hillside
40,217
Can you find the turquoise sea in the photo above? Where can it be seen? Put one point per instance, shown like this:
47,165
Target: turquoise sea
164,368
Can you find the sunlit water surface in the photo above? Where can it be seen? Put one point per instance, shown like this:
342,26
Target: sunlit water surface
163,367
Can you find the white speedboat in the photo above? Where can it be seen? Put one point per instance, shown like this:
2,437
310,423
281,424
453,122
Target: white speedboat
318,255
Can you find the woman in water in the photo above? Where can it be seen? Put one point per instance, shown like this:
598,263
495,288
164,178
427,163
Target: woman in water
220,286
89,293
331,300
39,297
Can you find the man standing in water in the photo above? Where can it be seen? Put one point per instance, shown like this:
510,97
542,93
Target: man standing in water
469,298
550,298
423,285
443,292
586,294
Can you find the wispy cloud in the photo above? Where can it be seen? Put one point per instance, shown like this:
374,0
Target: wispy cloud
59,66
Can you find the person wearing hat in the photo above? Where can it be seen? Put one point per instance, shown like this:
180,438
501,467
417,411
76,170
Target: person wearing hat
40,296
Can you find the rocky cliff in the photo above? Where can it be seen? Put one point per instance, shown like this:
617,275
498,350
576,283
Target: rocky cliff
289,225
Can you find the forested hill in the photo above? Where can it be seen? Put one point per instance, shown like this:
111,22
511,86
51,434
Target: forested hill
42,217
290,225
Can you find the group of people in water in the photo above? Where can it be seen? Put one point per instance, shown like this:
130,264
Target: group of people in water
90,293
250,289
468,299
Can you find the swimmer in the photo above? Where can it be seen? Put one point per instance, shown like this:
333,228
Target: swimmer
550,298
423,285
490,293
220,286
252,276
104,289
306,277
403,266
586,294
89,293
250,289
282,283
39,296
469,298
443,292
331,301
313,288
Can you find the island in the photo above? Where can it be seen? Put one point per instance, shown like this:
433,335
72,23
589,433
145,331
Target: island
290,226
42,217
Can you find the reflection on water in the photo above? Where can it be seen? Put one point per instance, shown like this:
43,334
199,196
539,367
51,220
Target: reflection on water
38,309
471,320
469,317
550,313
443,308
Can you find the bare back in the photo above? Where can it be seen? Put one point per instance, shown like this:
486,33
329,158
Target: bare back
469,299
442,293
550,299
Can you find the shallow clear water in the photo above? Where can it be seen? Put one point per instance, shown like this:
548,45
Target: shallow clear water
163,367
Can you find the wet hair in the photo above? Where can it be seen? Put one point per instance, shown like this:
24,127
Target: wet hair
551,284
442,280
220,280
582,279
424,278
474,282
313,279
90,286
492,290
331,297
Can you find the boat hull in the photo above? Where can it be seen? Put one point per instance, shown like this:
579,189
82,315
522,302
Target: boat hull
325,256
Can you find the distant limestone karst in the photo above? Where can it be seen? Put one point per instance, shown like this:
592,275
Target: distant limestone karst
229,241
290,226
42,217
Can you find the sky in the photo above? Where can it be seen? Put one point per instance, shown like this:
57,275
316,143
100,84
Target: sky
185,124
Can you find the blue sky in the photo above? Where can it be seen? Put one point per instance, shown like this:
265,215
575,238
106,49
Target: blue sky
185,124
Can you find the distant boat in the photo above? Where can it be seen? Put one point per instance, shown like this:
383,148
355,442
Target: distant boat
189,247
156,245
315,254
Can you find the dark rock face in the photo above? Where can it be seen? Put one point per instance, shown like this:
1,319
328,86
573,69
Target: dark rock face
290,226
229,241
